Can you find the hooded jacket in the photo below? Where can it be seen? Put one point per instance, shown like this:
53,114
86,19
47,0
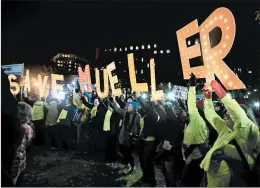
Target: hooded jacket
130,126
244,131
196,132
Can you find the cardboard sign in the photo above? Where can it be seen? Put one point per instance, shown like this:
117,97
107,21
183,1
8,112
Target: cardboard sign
180,92
212,57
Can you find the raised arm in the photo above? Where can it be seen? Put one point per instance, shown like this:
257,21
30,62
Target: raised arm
90,106
117,109
213,118
76,100
192,108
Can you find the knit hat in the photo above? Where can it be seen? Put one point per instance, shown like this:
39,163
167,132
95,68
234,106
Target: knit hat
134,104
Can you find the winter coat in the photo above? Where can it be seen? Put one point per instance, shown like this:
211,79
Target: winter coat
19,162
52,114
127,131
196,132
244,131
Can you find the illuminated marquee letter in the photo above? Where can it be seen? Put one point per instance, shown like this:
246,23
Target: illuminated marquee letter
43,85
191,52
140,87
84,77
103,94
213,57
113,79
156,95
54,85
14,87
27,83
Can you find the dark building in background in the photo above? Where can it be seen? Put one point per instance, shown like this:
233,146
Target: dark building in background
142,55
68,63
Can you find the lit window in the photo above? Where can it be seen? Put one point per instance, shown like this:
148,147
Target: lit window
70,62
142,71
155,52
124,70
161,51
69,65
120,49
148,46
58,65
189,42
105,50
136,72
148,65
142,46
131,47
125,48
250,72
119,62
136,47
69,69
115,49
155,45
142,59
58,61
168,51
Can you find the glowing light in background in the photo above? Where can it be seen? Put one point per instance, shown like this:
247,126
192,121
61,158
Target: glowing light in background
60,95
144,96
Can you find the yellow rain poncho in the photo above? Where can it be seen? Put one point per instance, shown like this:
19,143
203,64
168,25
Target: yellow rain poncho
197,131
244,131
80,106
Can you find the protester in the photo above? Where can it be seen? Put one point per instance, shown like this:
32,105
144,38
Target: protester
65,124
81,116
12,132
51,122
38,121
148,144
172,136
19,163
195,142
129,131
238,138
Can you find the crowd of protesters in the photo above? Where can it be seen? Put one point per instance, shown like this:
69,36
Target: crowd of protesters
196,144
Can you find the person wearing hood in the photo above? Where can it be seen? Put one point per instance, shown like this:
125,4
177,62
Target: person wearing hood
38,121
51,122
195,142
19,163
65,122
231,160
129,131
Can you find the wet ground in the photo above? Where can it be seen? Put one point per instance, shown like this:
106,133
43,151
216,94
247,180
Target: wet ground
53,167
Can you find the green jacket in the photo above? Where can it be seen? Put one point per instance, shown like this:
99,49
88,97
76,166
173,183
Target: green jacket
244,131
196,132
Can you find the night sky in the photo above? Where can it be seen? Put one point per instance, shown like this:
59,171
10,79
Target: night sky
33,32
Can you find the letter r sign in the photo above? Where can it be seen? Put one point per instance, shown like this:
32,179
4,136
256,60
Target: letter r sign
212,57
